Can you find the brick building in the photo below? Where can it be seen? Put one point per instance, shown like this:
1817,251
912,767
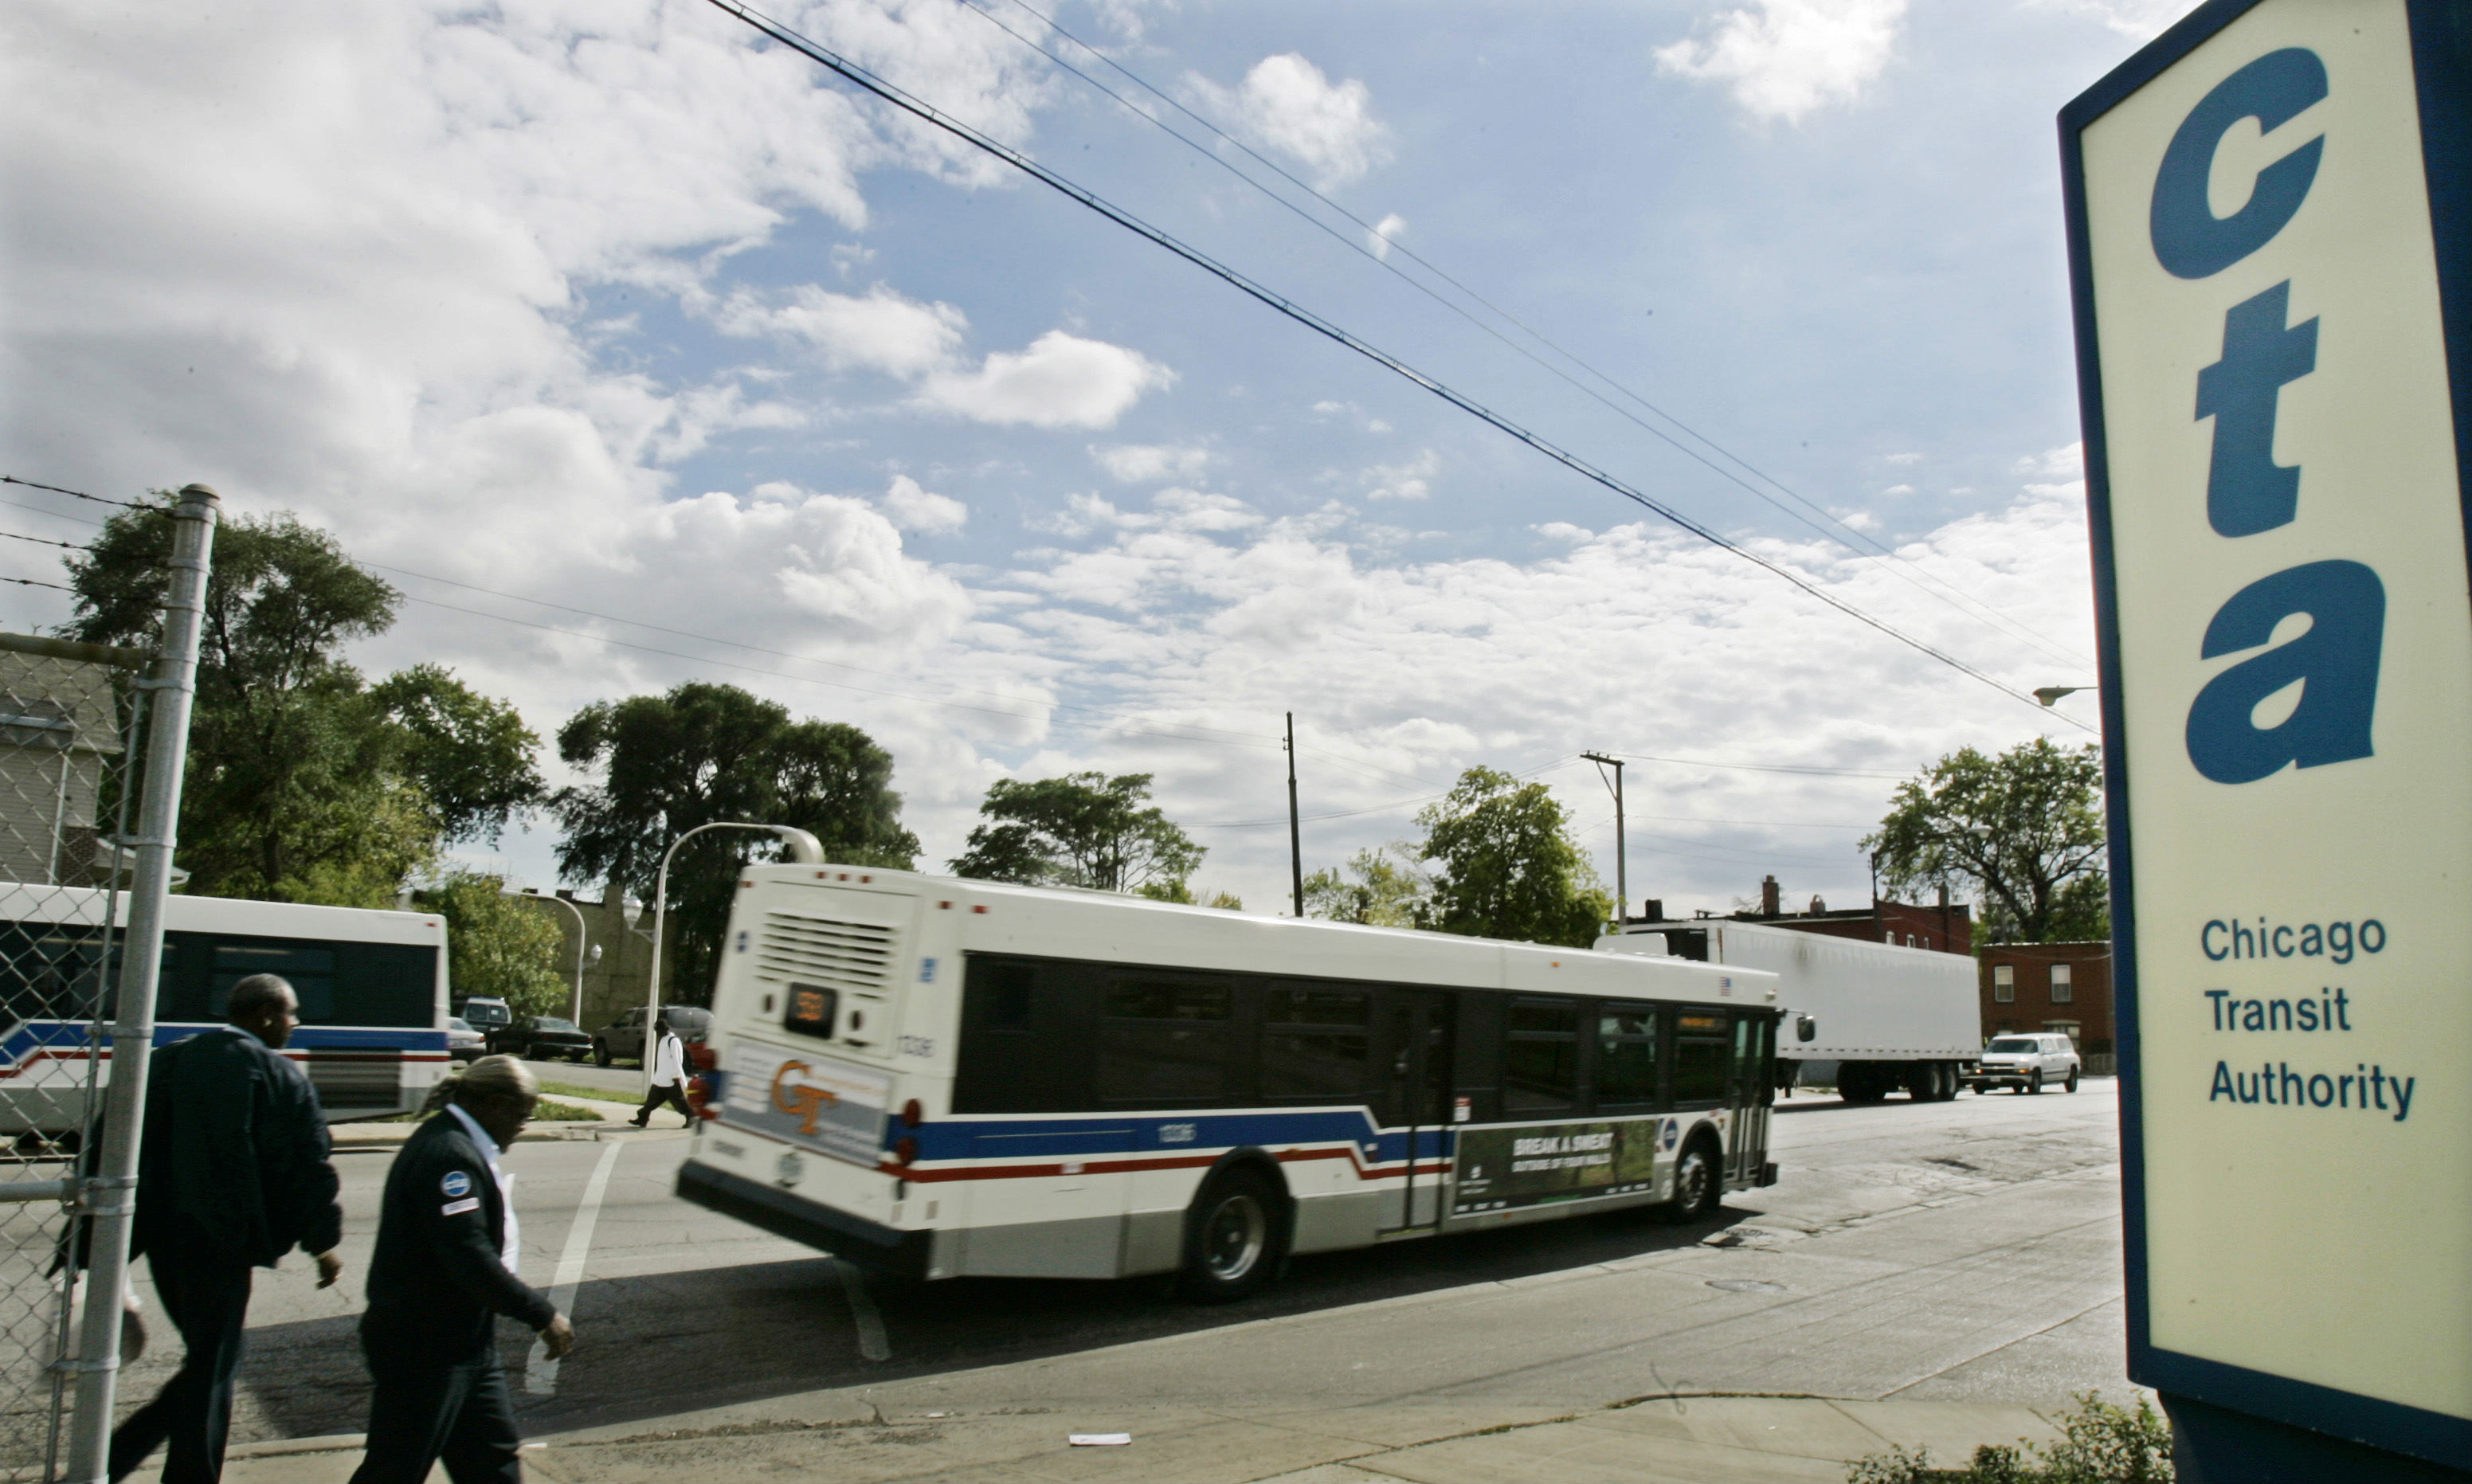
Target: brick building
2050,986
1945,927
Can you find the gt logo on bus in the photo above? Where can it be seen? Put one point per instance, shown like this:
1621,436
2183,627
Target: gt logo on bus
798,1099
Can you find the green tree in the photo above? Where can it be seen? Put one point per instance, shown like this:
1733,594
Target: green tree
702,753
302,784
472,756
1509,865
1387,891
2023,832
1080,830
497,945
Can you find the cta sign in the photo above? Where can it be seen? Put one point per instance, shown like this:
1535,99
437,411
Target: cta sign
2268,217
826,1105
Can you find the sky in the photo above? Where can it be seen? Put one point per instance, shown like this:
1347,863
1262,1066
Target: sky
634,349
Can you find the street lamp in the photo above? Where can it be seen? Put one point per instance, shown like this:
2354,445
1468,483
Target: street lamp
2047,694
802,846
574,1005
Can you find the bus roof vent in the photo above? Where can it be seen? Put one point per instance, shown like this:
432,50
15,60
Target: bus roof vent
827,950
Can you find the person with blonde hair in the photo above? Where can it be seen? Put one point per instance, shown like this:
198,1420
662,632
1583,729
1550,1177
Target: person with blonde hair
444,1271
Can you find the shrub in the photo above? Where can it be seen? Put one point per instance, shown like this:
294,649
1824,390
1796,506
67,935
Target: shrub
2100,1444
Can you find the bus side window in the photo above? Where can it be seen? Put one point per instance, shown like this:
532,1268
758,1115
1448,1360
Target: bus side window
1626,1057
310,967
1702,1056
1164,1042
1540,1065
1317,1044
1008,999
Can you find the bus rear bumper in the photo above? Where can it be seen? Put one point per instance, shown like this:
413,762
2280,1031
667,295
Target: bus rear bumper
854,1238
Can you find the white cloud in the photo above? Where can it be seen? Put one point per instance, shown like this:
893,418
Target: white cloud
2064,462
1288,104
1061,381
2138,20
909,506
1898,490
879,330
1384,231
1902,460
1791,57
1411,480
1139,464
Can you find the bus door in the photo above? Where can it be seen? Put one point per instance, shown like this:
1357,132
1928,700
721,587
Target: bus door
1417,1094
1749,1096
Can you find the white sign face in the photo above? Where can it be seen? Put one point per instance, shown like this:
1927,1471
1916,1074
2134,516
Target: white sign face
2293,701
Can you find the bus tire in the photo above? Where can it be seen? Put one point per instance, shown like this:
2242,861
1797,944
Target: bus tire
1698,1182
1234,1234
601,1053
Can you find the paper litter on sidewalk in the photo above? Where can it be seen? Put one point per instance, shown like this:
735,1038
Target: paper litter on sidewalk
1098,1439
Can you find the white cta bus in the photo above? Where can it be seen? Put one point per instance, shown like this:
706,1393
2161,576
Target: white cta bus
373,988
946,1078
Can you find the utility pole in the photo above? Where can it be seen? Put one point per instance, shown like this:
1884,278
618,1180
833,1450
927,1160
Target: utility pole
1296,831
1622,861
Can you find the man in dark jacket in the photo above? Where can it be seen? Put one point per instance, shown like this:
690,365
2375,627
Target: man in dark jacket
234,1172
444,1271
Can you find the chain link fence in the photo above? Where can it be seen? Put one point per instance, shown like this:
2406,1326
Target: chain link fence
69,715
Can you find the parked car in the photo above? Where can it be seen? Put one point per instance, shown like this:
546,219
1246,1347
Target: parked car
484,1013
543,1038
2026,1062
463,1042
625,1035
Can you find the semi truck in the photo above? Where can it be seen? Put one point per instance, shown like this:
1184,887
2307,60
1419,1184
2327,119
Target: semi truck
1872,1018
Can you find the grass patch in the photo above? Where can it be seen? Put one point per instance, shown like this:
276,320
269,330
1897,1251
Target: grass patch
587,1094
544,1112
2100,1444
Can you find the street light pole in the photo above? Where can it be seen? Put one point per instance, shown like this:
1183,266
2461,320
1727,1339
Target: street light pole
803,847
575,1004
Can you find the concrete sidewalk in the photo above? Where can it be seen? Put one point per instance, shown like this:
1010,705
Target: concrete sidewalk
840,1435
611,1118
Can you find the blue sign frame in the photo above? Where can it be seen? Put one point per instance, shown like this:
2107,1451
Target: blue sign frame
2441,54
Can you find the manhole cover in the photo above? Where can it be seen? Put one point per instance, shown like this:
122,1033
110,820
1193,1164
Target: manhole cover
1745,1285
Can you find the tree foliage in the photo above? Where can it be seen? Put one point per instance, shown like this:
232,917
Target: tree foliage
1509,865
1080,830
1382,888
498,945
302,784
704,753
2023,832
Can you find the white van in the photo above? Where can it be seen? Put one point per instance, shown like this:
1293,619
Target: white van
2025,1061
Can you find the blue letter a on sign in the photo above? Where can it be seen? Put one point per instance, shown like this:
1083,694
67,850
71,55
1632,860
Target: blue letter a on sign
2335,663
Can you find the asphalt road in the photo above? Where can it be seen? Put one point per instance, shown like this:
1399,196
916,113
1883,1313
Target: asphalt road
1962,1251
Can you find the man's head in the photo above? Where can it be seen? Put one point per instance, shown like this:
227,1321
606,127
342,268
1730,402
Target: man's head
499,1092
264,1005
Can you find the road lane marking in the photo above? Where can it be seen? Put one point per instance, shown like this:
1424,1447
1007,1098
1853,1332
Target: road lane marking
540,1372
871,1341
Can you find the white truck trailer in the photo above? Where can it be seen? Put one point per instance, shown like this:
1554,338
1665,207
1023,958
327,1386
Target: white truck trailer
1888,1018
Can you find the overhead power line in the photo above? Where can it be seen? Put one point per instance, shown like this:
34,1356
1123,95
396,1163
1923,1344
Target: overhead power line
910,104
1880,554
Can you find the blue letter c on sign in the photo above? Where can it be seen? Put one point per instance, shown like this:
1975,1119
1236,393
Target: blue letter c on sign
2191,242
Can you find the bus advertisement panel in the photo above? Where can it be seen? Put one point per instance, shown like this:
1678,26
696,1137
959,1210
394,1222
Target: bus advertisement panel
1504,1167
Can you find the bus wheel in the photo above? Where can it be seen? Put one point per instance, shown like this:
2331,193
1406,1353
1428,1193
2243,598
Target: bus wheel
1697,1186
1231,1237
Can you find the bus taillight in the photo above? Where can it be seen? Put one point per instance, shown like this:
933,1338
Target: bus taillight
912,1115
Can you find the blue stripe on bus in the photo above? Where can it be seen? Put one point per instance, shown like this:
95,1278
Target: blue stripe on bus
967,1139
32,1036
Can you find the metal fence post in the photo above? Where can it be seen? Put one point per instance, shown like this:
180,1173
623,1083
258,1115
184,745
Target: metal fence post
111,1194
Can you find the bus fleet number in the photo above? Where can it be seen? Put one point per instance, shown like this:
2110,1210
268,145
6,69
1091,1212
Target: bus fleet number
921,1047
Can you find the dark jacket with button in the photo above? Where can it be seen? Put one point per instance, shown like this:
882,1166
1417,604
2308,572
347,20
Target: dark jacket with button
233,1160
436,1281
